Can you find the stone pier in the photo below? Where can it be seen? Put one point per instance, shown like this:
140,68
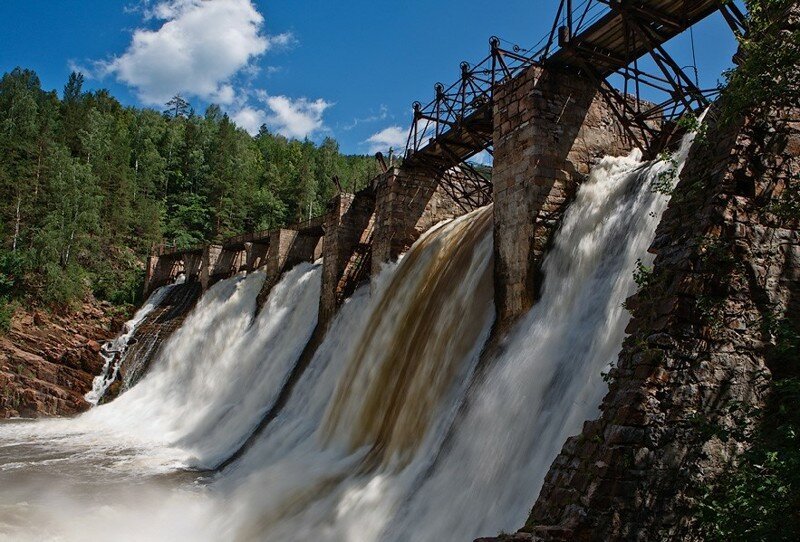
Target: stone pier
407,203
208,265
550,128
347,226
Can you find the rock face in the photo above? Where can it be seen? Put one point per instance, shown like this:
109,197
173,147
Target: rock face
47,361
152,333
700,356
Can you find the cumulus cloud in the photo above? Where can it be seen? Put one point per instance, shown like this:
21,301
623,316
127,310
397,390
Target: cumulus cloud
249,118
293,118
198,48
392,137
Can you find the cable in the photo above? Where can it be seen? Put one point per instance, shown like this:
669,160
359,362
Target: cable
694,59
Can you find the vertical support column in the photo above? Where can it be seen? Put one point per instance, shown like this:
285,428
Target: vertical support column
249,257
407,203
334,253
192,265
149,274
208,263
280,244
349,227
550,127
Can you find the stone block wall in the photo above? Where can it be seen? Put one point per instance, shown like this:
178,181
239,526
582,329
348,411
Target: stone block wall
304,248
348,218
192,262
698,360
274,262
208,265
550,128
407,203
255,255
229,262
161,270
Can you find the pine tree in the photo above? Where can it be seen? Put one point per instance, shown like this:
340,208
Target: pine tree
177,106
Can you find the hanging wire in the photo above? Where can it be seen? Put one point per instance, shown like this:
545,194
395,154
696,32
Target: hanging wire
694,59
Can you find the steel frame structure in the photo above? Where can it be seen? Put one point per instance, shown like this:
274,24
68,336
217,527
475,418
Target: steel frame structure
457,124
468,96
650,125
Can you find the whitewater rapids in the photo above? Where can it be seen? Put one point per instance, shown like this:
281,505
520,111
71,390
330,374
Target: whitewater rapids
392,433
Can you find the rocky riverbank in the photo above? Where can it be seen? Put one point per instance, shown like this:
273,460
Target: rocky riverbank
48,360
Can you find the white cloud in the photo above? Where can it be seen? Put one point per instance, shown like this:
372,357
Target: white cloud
392,137
293,118
200,46
296,118
249,118
382,114
483,158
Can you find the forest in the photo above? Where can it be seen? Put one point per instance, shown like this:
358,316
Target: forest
89,186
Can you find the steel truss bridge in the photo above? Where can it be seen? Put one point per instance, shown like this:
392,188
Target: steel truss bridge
618,44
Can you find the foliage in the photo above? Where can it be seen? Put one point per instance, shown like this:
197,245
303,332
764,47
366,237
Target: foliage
88,187
642,275
759,499
6,312
764,74
692,123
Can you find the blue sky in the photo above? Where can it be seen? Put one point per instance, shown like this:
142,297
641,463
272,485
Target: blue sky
307,68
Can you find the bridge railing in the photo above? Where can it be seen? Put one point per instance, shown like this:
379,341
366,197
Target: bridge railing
168,249
604,39
467,96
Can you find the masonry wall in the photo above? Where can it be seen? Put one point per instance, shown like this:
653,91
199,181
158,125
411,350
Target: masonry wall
345,226
229,262
255,255
274,262
161,270
550,128
192,261
700,350
208,265
407,203
304,248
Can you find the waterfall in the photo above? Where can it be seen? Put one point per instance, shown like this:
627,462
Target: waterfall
113,351
391,434
217,375
548,379
376,400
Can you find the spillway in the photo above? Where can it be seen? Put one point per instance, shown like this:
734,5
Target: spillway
403,427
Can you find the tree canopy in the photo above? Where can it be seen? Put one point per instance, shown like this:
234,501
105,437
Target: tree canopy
89,186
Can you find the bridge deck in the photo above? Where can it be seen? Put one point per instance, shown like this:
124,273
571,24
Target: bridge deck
459,142
608,44
311,227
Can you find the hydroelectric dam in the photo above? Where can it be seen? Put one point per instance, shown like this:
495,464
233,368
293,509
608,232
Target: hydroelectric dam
452,353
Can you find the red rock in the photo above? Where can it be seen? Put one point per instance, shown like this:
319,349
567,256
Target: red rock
48,360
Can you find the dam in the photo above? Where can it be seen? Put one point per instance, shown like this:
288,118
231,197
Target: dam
448,354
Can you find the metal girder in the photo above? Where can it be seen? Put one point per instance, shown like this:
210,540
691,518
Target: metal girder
601,39
456,107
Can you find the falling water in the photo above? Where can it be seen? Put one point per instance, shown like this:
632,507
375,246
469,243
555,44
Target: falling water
391,433
548,380
113,351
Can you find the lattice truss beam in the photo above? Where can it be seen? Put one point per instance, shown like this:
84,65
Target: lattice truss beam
635,66
617,43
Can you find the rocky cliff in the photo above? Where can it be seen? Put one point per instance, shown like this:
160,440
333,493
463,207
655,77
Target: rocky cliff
48,361
701,359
